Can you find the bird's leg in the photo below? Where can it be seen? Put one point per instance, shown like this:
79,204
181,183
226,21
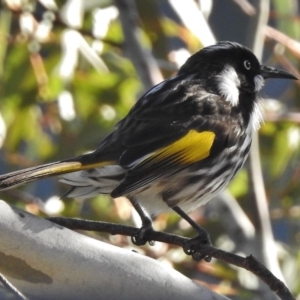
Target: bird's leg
190,246
141,237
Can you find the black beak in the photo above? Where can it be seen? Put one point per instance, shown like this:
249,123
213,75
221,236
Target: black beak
270,72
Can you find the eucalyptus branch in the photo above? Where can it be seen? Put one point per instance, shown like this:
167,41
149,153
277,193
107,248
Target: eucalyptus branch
12,289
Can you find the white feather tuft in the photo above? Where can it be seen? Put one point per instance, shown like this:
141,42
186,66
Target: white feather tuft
89,183
257,116
259,82
229,83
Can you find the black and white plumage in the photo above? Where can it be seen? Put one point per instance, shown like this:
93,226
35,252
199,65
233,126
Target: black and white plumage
181,143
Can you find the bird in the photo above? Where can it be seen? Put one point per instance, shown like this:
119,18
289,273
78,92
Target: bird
181,143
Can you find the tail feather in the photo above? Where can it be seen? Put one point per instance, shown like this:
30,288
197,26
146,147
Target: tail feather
16,178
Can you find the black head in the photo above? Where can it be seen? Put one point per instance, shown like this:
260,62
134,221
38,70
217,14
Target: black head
229,69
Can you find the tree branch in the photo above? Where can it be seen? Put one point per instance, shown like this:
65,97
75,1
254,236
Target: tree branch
250,262
266,248
12,289
145,64
47,261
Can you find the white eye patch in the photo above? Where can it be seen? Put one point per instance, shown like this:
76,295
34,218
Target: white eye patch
228,84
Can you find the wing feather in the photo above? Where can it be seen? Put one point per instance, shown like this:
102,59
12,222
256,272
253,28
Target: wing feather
173,126
191,148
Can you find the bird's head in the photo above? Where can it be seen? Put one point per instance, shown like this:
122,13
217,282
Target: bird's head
230,70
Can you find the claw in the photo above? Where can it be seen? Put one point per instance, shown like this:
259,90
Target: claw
140,238
191,246
198,256
136,240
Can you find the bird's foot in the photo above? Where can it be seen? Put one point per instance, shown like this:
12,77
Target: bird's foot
142,235
191,246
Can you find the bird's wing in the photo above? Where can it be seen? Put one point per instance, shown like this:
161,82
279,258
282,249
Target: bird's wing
177,152
186,133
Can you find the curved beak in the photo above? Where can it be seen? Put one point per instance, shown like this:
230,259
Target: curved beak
270,72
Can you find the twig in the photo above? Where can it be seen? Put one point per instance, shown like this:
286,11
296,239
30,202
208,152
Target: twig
246,7
59,23
143,61
249,262
12,288
290,43
266,248
293,117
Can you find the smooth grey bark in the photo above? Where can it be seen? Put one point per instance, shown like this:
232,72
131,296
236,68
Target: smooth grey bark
46,261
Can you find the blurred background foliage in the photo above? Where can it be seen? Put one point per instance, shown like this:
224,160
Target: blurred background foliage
67,77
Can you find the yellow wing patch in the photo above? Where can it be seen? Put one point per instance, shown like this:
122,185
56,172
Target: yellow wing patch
191,148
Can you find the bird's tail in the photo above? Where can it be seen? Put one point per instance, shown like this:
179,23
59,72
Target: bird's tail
79,163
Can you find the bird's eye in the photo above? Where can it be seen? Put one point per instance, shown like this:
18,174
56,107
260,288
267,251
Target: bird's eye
247,64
